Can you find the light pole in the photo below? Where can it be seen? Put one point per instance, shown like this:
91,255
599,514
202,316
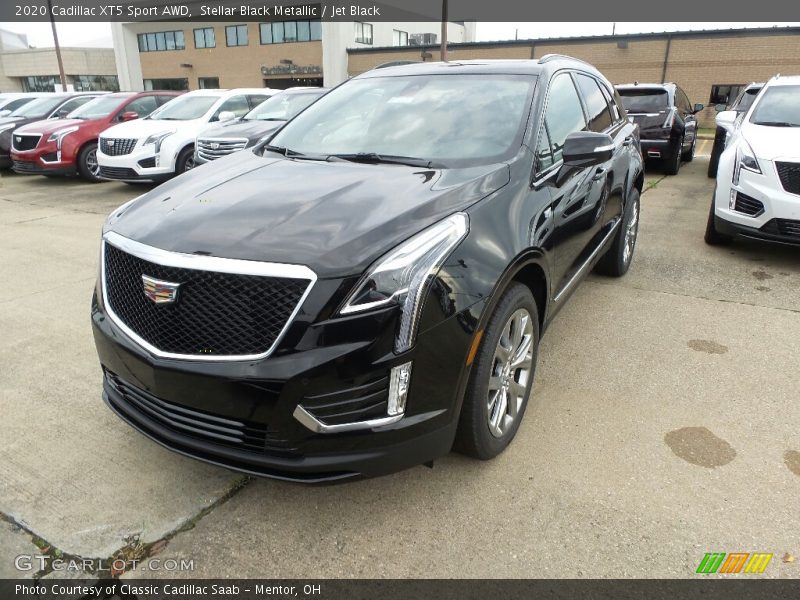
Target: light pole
444,31
58,48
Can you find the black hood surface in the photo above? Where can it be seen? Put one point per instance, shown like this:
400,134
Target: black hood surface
334,217
252,130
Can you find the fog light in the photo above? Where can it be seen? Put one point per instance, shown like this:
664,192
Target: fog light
732,201
399,379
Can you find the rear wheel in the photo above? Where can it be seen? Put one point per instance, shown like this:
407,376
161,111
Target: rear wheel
689,156
673,162
88,166
712,236
502,376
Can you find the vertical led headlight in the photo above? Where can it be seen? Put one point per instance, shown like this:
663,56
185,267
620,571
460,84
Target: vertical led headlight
402,276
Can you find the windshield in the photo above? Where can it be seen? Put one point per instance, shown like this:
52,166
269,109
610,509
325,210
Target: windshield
460,119
281,107
184,108
97,108
39,107
778,107
644,100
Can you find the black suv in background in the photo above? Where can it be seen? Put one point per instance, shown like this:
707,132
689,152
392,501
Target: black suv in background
740,104
369,288
51,106
666,119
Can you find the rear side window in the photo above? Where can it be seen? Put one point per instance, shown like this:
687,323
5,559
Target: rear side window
141,106
644,100
563,115
71,105
255,100
596,105
236,104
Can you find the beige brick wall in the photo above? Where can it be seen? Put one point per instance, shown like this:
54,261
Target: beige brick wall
695,63
238,66
77,61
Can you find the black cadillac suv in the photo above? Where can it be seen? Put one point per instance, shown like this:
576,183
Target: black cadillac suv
367,289
666,120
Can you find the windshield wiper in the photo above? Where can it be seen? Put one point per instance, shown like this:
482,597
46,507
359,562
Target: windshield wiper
375,158
289,153
776,123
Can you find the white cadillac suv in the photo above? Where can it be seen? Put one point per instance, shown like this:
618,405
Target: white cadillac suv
758,181
162,144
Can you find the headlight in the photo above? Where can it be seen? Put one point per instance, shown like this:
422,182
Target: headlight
402,276
58,136
157,138
745,159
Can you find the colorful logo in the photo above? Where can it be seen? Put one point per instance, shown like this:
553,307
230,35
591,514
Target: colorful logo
735,562
160,292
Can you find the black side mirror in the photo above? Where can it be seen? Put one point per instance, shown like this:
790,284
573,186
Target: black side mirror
698,107
587,148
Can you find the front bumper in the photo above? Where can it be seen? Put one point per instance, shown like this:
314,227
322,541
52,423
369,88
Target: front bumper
45,160
141,165
172,401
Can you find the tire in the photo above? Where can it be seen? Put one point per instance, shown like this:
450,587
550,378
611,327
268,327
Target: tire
716,150
489,417
673,163
689,156
712,236
617,260
88,166
185,161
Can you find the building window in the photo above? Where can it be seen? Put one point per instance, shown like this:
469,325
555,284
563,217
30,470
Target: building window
208,83
399,38
363,33
177,84
161,40
290,31
40,83
204,38
236,35
95,83
724,93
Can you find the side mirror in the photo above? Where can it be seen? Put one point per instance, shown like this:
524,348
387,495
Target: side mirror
720,107
226,115
60,114
587,148
727,120
4,112
129,115
698,107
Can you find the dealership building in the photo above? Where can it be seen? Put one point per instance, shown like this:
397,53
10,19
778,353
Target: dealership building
711,66
279,54
25,69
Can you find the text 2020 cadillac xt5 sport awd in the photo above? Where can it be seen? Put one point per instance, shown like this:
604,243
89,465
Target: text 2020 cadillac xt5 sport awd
367,289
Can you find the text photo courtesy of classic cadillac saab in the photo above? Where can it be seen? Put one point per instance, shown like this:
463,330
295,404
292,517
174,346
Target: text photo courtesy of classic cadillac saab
368,290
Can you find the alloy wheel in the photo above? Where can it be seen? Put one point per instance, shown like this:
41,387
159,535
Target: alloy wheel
91,163
512,367
631,230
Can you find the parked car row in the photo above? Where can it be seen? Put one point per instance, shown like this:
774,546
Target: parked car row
91,134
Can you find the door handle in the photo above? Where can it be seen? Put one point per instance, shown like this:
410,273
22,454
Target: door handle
599,174
627,141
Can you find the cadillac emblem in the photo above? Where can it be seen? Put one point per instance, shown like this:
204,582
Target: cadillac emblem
160,292
214,145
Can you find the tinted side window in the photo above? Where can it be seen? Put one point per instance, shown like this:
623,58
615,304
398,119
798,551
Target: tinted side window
256,100
596,105
141,106
564,113
71,105
236,104
683,101
544,152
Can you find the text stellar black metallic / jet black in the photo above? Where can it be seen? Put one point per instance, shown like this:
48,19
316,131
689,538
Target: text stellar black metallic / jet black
366,290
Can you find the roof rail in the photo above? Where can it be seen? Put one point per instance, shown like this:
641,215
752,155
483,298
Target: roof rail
549,57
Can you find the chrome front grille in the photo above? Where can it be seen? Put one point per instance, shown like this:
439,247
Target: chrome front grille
213,148
117,146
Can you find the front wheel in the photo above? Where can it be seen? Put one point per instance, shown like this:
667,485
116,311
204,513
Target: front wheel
712,236
185,161
716,150
88,166
617,260
502,376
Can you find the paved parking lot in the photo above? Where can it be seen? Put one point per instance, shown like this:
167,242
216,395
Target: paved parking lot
663,426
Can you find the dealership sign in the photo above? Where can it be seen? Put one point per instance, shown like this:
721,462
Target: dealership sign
289,70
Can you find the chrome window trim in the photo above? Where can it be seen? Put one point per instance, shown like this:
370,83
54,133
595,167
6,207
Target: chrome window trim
317,426
201,263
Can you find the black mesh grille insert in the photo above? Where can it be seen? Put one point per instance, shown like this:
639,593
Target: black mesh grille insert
218,314
118,173
747,205
117,146
787,227
24,166
24,141
789,174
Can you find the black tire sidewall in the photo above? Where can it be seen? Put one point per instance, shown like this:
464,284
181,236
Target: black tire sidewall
83,169
476,439
180,163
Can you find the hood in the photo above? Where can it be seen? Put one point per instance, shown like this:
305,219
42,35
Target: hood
771,143
252,130
18,121
334,217
138,128
48,126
